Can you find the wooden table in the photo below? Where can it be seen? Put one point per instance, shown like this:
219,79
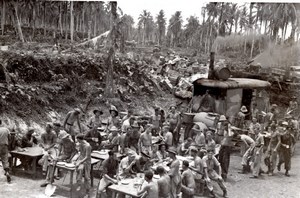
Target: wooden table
33,153
128,189
105,156
72,170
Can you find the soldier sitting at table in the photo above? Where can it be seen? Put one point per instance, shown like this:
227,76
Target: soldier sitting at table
67,150
142,163
49,139
150,190
28,140
109,172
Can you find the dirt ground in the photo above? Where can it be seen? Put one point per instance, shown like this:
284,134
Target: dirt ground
239,185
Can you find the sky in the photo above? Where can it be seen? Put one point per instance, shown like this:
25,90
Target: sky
188,8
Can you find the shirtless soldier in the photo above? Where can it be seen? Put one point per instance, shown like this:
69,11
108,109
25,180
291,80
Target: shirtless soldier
174,121
70,119
150,190
163,183
145,140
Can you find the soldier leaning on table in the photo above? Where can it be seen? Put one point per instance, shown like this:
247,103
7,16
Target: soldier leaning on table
4,140
109,172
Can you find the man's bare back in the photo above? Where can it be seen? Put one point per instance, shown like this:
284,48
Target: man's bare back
164,186
151,189
146,139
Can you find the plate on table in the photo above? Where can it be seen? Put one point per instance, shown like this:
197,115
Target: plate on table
70,165
125,182
61,163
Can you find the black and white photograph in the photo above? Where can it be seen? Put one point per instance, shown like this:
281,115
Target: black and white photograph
149,99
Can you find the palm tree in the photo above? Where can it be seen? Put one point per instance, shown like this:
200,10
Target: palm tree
143,19
161,23
3,16
174,28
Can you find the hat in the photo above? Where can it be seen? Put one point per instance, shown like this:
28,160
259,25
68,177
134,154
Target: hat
135,124
63,135
222,118
193,148
114,128
95,111
77,110
244,109
189,139
197,129
113,108
30,129
57,124
288,116
274,105
145,154
285,123
172,150
162,144
80,137
131,152
102,128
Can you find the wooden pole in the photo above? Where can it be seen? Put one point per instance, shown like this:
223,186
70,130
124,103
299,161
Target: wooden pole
211,66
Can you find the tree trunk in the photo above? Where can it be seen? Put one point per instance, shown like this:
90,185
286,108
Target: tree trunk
109,89
18,24
66,20
83,22
3,17
33,21
44,19
89,30
252,46
60,19
72,21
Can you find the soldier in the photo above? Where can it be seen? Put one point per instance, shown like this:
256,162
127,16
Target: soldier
287,140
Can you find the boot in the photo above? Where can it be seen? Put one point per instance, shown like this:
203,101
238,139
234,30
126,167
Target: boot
287,173
225,193
8,178
212,194
279,167
244,170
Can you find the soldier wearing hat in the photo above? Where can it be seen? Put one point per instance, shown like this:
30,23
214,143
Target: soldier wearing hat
240,120
287,141
142,163
114,119
71,118
113,140
95,121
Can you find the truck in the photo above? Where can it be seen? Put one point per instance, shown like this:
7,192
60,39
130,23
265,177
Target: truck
292,73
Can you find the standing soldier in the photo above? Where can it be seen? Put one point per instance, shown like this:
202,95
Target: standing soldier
156,120
174,173
287,140
174,121
224,153
258,152
4,139
71,118
273,147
